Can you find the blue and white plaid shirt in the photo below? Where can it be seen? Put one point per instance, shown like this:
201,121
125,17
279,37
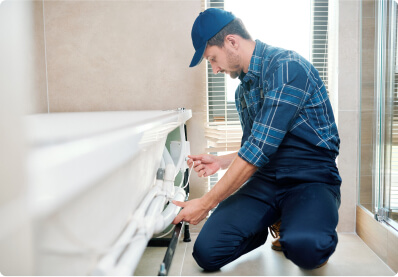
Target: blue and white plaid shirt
282,93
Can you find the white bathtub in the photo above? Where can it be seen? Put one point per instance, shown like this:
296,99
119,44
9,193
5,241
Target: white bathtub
88,172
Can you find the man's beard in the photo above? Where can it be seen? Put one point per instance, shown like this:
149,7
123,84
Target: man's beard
233,63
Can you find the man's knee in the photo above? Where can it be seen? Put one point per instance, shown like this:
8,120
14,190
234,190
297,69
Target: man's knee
308,250
204,255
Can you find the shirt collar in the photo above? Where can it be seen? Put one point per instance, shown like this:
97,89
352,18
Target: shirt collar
256,62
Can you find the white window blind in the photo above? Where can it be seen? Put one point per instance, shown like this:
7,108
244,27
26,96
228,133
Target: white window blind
394,159
319,43
223,130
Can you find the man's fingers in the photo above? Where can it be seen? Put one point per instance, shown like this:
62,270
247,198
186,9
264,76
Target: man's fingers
179,203
178,219
202,173
195,158
190,162
199,167
180,216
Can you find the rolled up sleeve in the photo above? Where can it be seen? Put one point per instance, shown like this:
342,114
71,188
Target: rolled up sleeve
288,91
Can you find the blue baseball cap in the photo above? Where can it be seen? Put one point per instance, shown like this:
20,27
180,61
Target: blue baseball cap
206,26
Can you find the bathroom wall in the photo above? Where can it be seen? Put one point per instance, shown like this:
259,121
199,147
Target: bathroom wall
368,112
122,55
346,107
38,94
380,237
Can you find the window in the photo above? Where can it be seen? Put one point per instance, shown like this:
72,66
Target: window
302,28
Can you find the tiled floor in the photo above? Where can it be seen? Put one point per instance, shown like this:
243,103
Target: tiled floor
352,258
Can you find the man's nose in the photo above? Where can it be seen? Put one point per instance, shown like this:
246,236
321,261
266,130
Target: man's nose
215,68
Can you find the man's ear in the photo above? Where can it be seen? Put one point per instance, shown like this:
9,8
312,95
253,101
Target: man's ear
232,41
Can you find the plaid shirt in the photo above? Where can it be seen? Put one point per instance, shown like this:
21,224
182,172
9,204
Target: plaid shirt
282,93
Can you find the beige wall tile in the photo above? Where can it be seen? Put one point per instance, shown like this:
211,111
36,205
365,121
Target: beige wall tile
122,55
348,110
368,99
366,159
372,233
368,43
382,239
348,93
367,123
392,251
368,33
368,8
368,47
348,167
366,190
126,55
368,74
38,96
348,11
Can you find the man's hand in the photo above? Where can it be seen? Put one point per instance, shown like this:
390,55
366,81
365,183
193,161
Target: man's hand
196,210
204,164
193,211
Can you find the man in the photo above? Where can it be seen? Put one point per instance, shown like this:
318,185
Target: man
285,170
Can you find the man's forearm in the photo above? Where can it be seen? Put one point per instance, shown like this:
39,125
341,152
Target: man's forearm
196,210
237,174
226,160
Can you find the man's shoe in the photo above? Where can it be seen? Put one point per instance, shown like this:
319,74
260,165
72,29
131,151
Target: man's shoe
276,245
274,231
322,264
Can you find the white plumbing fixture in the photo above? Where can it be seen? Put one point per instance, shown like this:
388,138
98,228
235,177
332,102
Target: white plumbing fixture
149,219
91,183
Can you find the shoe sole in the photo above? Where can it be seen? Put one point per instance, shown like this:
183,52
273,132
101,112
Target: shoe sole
276,248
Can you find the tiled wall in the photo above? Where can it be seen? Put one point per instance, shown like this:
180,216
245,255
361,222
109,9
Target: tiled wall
348,109
367,102
382,239
122,55
38,95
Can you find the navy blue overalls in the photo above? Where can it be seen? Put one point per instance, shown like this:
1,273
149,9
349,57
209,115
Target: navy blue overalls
303,194
299,186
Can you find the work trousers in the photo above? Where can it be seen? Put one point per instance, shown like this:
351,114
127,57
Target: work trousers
305,200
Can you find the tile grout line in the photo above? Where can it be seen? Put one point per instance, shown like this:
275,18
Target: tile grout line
45,58
183,258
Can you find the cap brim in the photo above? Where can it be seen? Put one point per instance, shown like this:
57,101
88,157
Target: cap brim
198,57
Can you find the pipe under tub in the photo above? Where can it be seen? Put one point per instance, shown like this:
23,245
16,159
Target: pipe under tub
131,257
109,260
170,212
149,219
154,223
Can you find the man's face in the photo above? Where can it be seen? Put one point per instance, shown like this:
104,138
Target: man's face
224,60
